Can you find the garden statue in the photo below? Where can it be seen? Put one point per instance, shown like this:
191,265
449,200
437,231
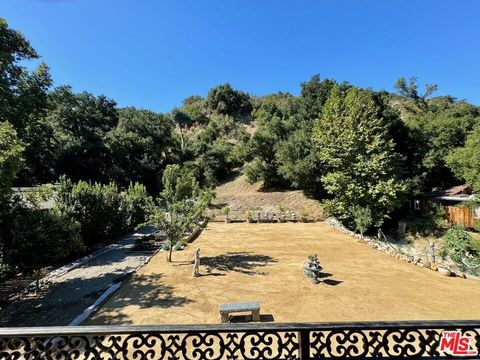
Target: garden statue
312,268
196,263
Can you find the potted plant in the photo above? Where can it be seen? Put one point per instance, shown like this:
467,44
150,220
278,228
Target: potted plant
304,215
249,214
282,209
226,212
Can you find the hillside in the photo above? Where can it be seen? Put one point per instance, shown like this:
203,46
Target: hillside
241,196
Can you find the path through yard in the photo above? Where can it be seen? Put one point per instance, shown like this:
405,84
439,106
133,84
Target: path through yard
263,262
74,291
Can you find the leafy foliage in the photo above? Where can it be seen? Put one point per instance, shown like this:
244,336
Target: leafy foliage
465,161
141,146
362,217
11,161
103,211
360,165
180,206
225,100
41,238
458,245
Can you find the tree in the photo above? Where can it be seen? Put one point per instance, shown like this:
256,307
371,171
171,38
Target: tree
181,205
410,91
80,125
362,217
465,160
183,120
225,100
433,136
11,162
40,239
358,159
313,96
195,108
141,146
215,151
263,148
23,102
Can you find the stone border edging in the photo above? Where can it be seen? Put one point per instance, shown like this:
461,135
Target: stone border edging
394,252
113,287
108,293
66,268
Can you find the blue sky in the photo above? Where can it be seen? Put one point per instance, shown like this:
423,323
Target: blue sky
153,53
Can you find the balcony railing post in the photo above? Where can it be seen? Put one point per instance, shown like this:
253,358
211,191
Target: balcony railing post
304,344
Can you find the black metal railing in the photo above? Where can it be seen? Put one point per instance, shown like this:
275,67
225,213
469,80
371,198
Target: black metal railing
367,340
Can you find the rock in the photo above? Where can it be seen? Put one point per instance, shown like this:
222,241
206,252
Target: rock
444,271
434,267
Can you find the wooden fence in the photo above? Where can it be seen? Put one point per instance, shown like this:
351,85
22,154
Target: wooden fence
461,216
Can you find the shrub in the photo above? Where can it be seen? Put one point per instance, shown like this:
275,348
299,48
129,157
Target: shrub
362,218
41,238
103,211
458,245
304,214
138,205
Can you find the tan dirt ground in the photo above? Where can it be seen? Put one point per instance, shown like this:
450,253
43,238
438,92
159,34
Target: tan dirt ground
263,262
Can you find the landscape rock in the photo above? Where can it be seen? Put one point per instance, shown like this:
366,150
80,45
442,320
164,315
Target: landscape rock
444,271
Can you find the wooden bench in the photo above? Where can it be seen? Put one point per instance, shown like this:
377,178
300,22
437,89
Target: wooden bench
227,309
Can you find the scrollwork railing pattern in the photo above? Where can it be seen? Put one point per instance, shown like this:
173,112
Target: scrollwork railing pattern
412,340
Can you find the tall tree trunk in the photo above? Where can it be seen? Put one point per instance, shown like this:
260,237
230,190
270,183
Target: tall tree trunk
182,142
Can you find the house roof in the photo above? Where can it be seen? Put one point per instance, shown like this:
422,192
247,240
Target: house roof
454,191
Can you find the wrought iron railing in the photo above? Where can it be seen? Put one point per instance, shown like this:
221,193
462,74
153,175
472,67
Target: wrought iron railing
237,341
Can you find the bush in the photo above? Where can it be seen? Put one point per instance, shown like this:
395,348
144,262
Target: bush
41,238
458,245
103,211
362,218
138,205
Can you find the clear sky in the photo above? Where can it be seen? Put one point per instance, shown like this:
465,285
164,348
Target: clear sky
153,53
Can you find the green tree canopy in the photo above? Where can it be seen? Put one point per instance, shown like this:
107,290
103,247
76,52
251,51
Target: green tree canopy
80,123
181,205
141,146
360,165
11,161
465,160
225,100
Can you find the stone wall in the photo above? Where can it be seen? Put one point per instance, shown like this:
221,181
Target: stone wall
426,256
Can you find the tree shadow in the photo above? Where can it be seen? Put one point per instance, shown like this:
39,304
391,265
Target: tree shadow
142,291
242,262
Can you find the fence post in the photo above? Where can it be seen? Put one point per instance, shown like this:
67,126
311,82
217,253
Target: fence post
304,342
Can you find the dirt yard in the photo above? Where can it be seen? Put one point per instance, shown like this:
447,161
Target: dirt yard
263,262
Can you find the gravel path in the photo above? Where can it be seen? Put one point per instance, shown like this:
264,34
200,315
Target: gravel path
70,293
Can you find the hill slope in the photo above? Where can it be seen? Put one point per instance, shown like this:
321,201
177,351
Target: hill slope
241,196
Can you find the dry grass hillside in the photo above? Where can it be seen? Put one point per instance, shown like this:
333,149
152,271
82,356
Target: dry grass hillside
241,196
